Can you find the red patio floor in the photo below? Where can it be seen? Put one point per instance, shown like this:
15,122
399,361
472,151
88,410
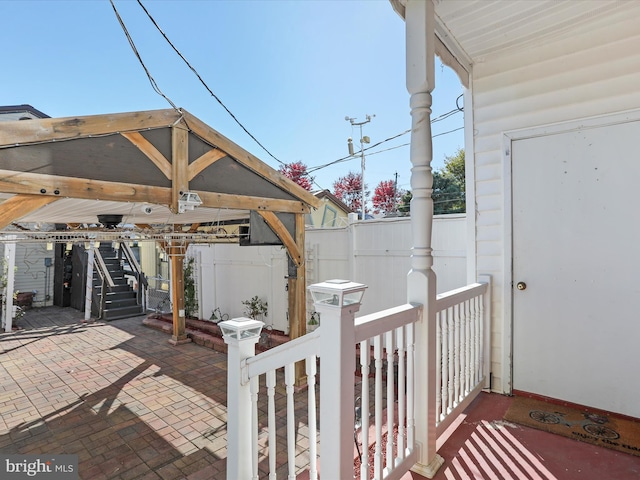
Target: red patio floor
131,406
485,447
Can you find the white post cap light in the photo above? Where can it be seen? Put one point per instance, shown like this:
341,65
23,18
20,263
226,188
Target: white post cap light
337,293
241,328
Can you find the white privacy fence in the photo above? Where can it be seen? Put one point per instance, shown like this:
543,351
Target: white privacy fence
264,429
374,252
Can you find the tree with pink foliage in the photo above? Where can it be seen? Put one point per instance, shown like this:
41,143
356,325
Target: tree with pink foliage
385,197
297,172
349,190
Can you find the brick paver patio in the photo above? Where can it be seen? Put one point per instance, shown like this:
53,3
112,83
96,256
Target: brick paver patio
116,394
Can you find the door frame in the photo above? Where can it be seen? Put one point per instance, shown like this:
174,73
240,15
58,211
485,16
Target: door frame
507,288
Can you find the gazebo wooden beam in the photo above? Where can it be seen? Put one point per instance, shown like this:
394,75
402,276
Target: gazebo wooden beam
18,206
283,234
204,161
82,188
208,134
68,128
179,164
86,189
151,152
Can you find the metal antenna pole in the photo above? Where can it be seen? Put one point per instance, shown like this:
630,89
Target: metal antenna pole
363,140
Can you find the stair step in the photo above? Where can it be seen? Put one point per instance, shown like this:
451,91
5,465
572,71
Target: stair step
117,288
121,295
119,303
122,312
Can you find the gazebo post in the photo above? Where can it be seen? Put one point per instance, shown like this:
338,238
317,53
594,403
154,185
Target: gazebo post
298,299
176,255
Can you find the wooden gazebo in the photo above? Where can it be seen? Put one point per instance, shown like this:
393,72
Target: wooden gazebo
166,172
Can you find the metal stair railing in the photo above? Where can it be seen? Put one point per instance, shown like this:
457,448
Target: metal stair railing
125,254
105,278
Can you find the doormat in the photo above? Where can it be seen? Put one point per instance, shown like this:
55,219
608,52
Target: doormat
603,430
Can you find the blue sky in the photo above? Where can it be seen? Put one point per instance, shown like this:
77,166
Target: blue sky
290,71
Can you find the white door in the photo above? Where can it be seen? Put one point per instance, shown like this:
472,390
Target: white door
576,256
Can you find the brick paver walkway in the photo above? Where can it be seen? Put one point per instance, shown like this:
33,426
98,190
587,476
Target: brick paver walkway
117,394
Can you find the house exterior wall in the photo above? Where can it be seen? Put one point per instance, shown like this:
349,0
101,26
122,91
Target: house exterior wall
594,73
327,215
31,272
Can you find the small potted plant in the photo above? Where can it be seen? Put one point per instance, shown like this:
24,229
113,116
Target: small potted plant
255,308
314,322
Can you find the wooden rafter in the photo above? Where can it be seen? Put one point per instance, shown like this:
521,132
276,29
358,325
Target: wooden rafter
152,153
68,128
204,161
247,159
18,206
283,234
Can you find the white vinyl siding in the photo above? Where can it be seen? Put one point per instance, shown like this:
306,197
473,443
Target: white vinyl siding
593,73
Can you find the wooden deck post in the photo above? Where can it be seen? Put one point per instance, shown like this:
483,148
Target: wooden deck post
176,255
421,281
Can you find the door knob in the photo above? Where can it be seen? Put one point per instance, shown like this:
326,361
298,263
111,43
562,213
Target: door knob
521,286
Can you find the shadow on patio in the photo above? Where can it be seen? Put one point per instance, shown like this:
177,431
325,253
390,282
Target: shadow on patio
132,406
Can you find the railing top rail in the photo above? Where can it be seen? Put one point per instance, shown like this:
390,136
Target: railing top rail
289,352
459,295
383,321
102,268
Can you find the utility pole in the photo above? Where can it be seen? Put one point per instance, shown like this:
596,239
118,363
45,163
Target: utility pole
395,194
363,140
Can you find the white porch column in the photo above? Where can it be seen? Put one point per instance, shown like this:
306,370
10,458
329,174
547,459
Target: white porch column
10,265
241,336
421,286
337,301
89,288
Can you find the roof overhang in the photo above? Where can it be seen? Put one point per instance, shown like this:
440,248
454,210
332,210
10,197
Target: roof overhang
469,32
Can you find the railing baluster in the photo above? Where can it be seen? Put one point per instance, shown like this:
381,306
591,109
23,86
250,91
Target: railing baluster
311,409
452,367
457,384
271,422
444,328
365,358
401,391
410,388
464,315
390,398
254,387
441,376
289,380
474,344
377,456
467,330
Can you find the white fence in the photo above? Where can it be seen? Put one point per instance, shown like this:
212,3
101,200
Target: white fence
375,252
382,343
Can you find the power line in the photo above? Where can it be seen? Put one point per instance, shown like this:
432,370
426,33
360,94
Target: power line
205,84
344,159
154,85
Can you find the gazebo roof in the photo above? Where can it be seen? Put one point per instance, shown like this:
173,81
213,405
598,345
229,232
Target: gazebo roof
138,165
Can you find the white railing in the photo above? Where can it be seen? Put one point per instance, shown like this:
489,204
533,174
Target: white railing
462,335
267,424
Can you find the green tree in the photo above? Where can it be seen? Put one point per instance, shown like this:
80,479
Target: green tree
454,167
404,207
448,188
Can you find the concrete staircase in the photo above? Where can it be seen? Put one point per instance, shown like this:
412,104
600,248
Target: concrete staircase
121,300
